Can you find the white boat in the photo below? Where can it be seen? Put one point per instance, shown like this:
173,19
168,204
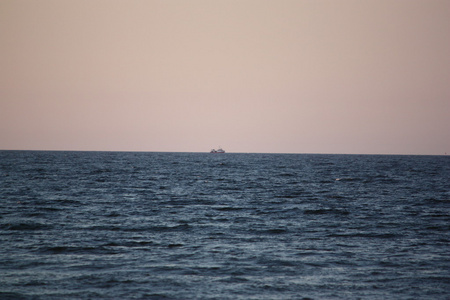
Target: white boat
220,150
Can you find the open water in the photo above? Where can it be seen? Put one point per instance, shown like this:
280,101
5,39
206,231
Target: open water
117,225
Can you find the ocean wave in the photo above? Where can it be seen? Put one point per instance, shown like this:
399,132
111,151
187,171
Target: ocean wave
76,250
27,226
323,211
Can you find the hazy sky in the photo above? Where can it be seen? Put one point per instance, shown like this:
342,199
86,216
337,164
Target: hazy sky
304,76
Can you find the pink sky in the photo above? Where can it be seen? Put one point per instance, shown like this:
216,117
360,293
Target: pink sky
248,75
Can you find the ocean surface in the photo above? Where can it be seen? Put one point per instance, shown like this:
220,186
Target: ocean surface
124,225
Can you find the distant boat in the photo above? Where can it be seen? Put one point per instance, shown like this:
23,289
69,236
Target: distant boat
220,150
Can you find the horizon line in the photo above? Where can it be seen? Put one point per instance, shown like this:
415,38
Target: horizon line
227,152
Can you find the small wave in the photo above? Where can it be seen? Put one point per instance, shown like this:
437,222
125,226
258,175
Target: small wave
307,253
234,279
276,231
113,214
436,200
100,171
279,263
129,244
229,208
76,250
336,197
13,296
443,228
287,175
291,194
159,228
156,296
104,228
33,283
347,179
365,235
49,209
68,202
323,211
28,226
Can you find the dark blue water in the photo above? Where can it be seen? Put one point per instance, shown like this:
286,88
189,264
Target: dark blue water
114,225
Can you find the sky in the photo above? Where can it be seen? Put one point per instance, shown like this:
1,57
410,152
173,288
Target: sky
266,76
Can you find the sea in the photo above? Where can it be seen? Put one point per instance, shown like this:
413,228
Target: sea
147,225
